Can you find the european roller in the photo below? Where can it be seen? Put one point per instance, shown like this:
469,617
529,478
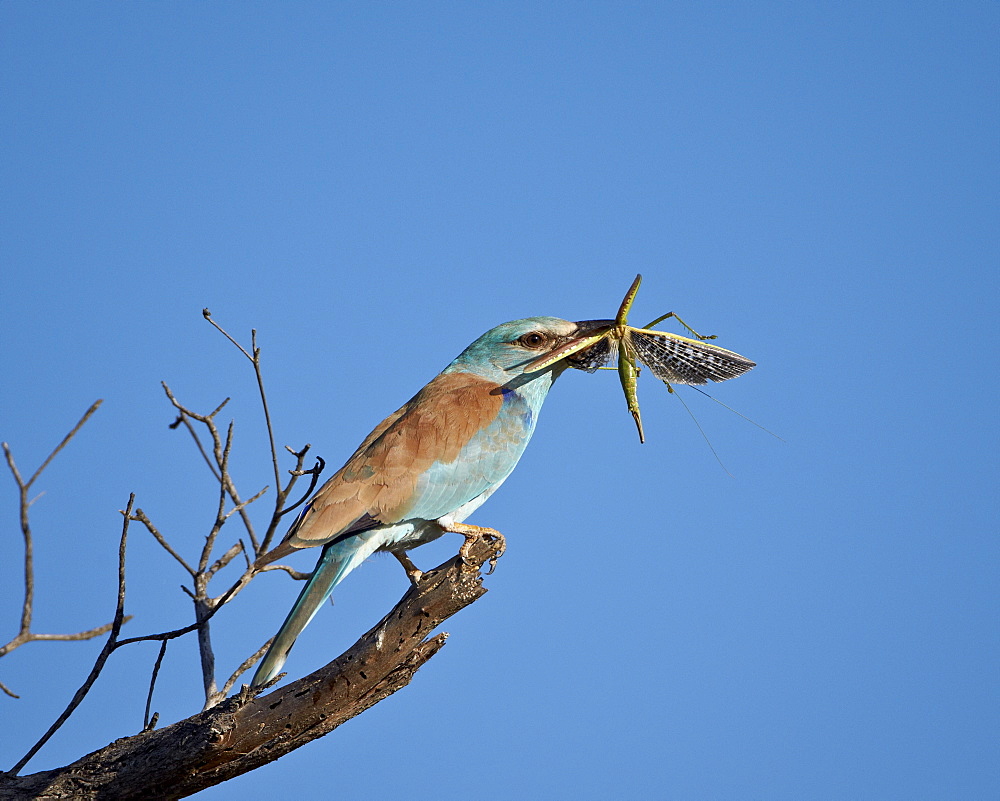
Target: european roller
428,465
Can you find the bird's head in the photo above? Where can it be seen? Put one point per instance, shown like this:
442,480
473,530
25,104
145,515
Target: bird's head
503,353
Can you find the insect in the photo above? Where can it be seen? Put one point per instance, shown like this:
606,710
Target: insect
670,357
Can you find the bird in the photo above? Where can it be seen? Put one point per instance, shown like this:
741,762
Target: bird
428,466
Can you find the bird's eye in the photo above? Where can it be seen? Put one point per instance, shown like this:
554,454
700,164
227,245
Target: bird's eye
533,340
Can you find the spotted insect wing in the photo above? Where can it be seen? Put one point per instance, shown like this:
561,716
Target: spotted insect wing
678,360
596,356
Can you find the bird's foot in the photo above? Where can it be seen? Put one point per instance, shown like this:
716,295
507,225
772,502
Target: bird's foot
411,569
473,533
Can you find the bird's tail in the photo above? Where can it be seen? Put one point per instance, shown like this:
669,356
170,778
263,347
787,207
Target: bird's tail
338,559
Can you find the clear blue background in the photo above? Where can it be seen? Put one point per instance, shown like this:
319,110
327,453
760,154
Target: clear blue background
371,186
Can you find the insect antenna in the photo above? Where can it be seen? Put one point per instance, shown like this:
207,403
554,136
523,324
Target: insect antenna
738,414
700,429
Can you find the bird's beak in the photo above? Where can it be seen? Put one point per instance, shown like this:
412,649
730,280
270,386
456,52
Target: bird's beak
588,332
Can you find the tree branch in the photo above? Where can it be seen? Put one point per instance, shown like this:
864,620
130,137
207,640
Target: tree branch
109,647
147,723
140,516
250,729
185,417
255,359
86,416
24,634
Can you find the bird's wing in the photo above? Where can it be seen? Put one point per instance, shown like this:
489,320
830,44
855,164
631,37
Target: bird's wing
386,480
482,464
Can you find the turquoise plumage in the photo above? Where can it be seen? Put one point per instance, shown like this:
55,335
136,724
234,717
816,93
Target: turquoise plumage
426,467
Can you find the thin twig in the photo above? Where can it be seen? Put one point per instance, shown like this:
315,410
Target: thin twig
248,663
263,401
255,360
279,509
224,478
298,575
182,419
244,504
82,635
314,471
25,635
109,647
216,605
201,418
86,416
140,517
30,636
152,684
226,558
163,635
208,316
220,516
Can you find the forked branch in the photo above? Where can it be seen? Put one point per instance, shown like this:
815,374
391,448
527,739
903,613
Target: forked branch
250,729
109,647
200,571
25,634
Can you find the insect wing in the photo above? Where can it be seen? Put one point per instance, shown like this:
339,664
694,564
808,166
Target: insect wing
679,360
569,349
596,356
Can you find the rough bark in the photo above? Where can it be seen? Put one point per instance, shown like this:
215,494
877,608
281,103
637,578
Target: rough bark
249,729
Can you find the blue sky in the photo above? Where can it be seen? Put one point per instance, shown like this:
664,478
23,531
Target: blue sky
373,186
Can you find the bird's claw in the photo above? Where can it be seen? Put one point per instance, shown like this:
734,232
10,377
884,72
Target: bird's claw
473,533
500,545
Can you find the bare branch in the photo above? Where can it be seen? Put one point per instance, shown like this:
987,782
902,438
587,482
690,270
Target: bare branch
298,575
255,360
109,647
163,635
206,654
215,467
182,419
220,516
140,517
86,416
12,466
244,504
201,418
82,635
227,557
208,316
29,556
152,683
216,605
314,471
251,729
263,403
24,634
248,663
279,510
201,574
